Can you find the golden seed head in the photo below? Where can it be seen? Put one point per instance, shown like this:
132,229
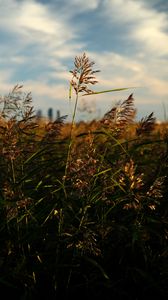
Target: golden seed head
83,74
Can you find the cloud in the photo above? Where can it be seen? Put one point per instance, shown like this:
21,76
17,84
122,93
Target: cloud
35,39
74,7
143,24
146,81
5,82
89,5
32,23
42,39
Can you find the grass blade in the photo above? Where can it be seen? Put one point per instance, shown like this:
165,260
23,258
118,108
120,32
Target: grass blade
108,91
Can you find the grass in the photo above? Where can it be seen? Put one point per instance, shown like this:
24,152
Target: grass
83,213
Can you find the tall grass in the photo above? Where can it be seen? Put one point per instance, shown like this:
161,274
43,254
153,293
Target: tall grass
83,215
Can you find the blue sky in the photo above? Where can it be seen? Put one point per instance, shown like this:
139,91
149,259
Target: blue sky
127,40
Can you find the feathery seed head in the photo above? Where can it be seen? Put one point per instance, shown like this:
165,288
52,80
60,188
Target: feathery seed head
83,74
121,115
146,125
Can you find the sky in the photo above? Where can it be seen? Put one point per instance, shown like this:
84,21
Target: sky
127,40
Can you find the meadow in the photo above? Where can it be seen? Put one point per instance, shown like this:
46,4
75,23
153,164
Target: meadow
83,206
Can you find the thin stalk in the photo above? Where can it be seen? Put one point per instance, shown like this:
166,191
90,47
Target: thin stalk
13,171
71,135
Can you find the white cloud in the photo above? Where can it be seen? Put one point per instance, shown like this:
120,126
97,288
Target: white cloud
119,71
86,5
34,16
145,26
34,22
43,89
39,37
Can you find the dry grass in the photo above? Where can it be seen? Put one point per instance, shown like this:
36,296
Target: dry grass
83,206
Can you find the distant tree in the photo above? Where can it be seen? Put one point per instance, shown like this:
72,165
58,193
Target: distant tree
50,114
39,113
58,114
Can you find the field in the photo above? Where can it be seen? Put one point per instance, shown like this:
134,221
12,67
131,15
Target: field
83,206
